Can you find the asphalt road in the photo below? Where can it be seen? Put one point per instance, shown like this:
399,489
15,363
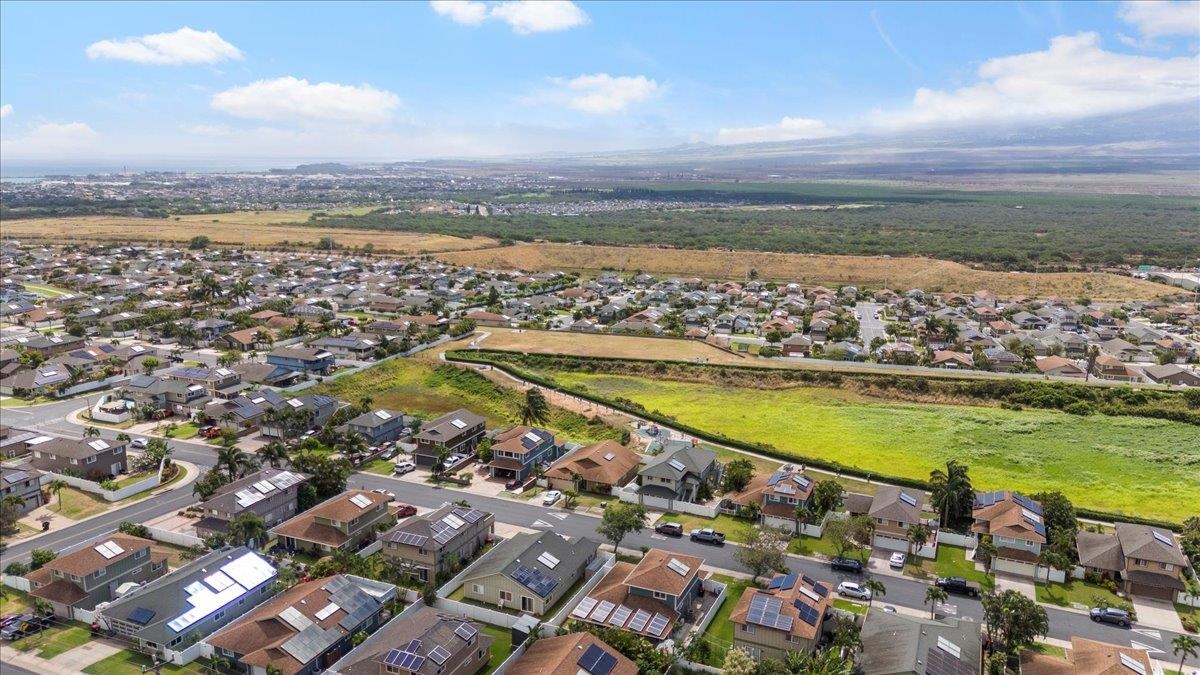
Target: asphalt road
869,327
900,591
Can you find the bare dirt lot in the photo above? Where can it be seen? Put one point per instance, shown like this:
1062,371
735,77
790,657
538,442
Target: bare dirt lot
250,228
897,273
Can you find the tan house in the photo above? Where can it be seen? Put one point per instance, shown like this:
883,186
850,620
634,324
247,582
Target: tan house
91,574
787,617
1147,559
894,510
440,541
647,598
1088,657
1059,366
529,572
777,495
600,467
347,521
1015,524
574,654
427,641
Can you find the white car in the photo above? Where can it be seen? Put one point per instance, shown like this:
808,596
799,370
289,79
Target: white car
550,497
850,589
390,495
404,467
138,443
897,560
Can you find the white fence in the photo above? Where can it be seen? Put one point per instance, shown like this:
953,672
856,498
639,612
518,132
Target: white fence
112,495
1185,599
19,583
374,547
720,589
955,539
172,537
84,615
630,494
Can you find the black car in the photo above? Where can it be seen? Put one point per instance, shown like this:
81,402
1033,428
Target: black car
669,529
846,565
959,586
1111,615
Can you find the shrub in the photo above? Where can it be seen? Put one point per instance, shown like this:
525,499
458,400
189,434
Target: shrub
134,529
16,569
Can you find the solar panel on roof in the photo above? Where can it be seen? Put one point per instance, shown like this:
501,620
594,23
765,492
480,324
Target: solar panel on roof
620,616
453,521
677,566
16,477
264,486
219,581
802,481
775,478
361,501
1132,663
601,612
820,590
548,559
809,594
658,624
1162,538
439,655
466,631
326,611
383,414
141,616
584,608
458,424
295,619
908,499
471,516
410,538
676,464
597,661
295,403
808,614
639,621
98,444
534,580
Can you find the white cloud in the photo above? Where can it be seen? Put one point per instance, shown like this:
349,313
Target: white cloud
211,130
523,16
293,99
1073,78
5,110
183,46
600,93
1160,18
51,140
788,129
466,12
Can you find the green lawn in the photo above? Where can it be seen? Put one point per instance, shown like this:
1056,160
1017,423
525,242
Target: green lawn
501,646
735,529
849,606
184,431
1078,592
383,467
719,634
64,639
135,478
131,663
1130,465
77,504
48,291
15,602
810,546
1051,650
951,562
1188,615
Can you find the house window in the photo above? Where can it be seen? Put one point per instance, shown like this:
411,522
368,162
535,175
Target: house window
526,603
120,450
1166,567
505,596
74,461
659,595
1139,562
747,628
99,573
136,570
219,615
477,589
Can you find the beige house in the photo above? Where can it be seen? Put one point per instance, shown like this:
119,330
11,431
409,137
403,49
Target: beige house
1087,657
600,467
440,541
787,617
894,510
347,521
92,573
1147,559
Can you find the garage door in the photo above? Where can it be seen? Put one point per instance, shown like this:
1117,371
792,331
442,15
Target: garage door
890,543
1156,592
1014,567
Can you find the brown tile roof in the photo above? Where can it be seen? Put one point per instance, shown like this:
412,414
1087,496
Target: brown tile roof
758,487
888,504
1102,551
590,463
61,591
789,597
1139,541
1086,657
87,559
613,589
340,508
653,574
509,440
560,656
1006,518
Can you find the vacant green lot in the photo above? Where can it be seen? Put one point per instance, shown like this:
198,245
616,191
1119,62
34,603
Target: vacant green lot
1139,466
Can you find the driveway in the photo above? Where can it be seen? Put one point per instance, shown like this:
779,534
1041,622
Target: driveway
1158,613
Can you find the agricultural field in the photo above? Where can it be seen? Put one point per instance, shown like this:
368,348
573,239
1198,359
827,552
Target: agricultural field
1129,465
876,271
252,228
612,346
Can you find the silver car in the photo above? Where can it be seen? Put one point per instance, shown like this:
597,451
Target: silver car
849,589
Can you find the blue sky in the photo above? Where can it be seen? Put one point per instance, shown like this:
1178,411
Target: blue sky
408,80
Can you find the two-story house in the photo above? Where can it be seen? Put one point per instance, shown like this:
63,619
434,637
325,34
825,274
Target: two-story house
894,510
177,396
167,615
92,573
24,481
1017,528
897,644
217,382
346,521
786,617
302,359
647,598
380,426
1146,559
458,432
530,572
679,472
517,452
90,458
269,493
574,654
360,347
598,467
426,641
438,542
777,497
305,629
297,415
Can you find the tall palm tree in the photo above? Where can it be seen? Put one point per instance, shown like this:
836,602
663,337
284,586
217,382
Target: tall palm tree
934,595
918,536
876,587
1184,646
240,290
365,403
1093,353
804,515
235,462
535,410
274,453
951,492
263,337
56,487
247,527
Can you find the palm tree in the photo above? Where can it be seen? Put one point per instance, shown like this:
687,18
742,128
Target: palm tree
951,492
1093,353
365,403
535,410
934,595
804,514
56,487
274,453
262,337
988,550
91,432
124,437
918,536
1184,646
876,587
239,290
247,527
235,462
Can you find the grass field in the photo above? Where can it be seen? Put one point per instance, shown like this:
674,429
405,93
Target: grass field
501,646
1078,592
1129,465
719,634
951,561
253,228
48,291
132,663
77,504
898,273
612,346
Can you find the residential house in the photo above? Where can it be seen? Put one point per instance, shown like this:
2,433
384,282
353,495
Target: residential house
305,629
1017,528
91,574
898,644
777,497
380,426
530,572
600,467
90,458
1146,559
574,654
266,374
786,617
438,542
517,452
1109,367
647,598
1089,657
46,379
298,415
360,347
426,641
1127,351
1172,374
159,394
1059,366
167,615
346,521
24,481
457,432
217,382
1001,360
268,493
894,510
489,319
952,360
50,345
302,359
796,345
679,472
245,340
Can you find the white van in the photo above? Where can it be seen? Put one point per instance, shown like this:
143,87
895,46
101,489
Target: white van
404,467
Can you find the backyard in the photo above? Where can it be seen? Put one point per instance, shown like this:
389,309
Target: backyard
127,662
719,634
77,504
1129,465
501,646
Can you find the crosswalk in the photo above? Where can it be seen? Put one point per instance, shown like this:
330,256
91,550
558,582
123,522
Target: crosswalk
1151,649
1149,632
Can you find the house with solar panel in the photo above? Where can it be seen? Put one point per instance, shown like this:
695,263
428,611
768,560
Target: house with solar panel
600,467
306,628
517,452
91,574
177,396
380,426
574,654
169,615
894,510
423,641
294,416
438,542
1017,528
678,472
530,572
1086,657
649,598
90,458
24,481
302,360
269,493
898,644
217,382
347,521
777,495
786,617
1146,560
458,433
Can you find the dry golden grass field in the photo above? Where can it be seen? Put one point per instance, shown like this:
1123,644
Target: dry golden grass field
611,346
901,273
251,228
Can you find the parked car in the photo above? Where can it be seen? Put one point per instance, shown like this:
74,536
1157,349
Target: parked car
849,589
406,510
404,467
390,495
959,586
139,443
26,624
513,483
897,560
846,565
212,432
669,529
708,536
1112,615
550,497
